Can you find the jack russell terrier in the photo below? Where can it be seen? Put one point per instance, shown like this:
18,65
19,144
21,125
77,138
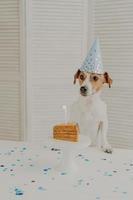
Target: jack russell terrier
89,111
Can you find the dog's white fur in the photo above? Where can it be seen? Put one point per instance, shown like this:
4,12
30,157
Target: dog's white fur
90,113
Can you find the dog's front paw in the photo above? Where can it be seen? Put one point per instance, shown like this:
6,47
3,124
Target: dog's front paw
107,149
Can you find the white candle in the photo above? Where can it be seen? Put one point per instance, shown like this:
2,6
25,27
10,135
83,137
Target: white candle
65,110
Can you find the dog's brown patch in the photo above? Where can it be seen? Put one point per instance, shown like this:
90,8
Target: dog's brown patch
76,76
82,77
97,80
107,79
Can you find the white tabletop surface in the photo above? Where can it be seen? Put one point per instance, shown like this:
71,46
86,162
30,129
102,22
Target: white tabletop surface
27,172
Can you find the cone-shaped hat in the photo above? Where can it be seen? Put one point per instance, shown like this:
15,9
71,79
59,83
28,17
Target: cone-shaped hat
93,60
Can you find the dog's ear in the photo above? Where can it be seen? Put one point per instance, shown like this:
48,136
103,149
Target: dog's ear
107,79
76,76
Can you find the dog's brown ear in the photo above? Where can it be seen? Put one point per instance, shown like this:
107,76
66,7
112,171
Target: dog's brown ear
76,76
107,79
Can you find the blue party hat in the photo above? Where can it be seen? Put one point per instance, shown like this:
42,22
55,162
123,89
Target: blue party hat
93,60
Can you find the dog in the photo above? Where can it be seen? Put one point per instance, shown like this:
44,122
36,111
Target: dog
90,111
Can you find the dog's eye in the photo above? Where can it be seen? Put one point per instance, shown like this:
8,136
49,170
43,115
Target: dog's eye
95,78
82,77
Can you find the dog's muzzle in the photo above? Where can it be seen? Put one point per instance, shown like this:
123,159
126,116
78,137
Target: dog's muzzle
84,90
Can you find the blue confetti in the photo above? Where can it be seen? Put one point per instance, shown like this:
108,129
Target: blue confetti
110,175
124,192
55,149
19,191
41,188
80,181
87,160
45,170
107,174
4,169
12,174
31,165
13,164
63,173
127,169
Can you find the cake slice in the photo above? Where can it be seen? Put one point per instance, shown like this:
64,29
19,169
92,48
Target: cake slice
68,132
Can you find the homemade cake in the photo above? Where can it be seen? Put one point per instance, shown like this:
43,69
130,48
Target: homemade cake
69,132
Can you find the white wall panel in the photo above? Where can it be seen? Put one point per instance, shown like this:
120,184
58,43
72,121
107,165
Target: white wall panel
10,82
56,46
113,23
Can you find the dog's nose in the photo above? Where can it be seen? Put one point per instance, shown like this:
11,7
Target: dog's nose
83,89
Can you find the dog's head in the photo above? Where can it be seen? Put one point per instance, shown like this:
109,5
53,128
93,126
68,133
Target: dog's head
91,83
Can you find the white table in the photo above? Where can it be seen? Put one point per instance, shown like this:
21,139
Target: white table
27,172
70,150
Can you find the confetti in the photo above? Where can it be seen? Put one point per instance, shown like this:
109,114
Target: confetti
124,192
63,173
31,165
41,188
127,169
87,184
19,191
115,171
87,160
13,165
54,149
110,171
